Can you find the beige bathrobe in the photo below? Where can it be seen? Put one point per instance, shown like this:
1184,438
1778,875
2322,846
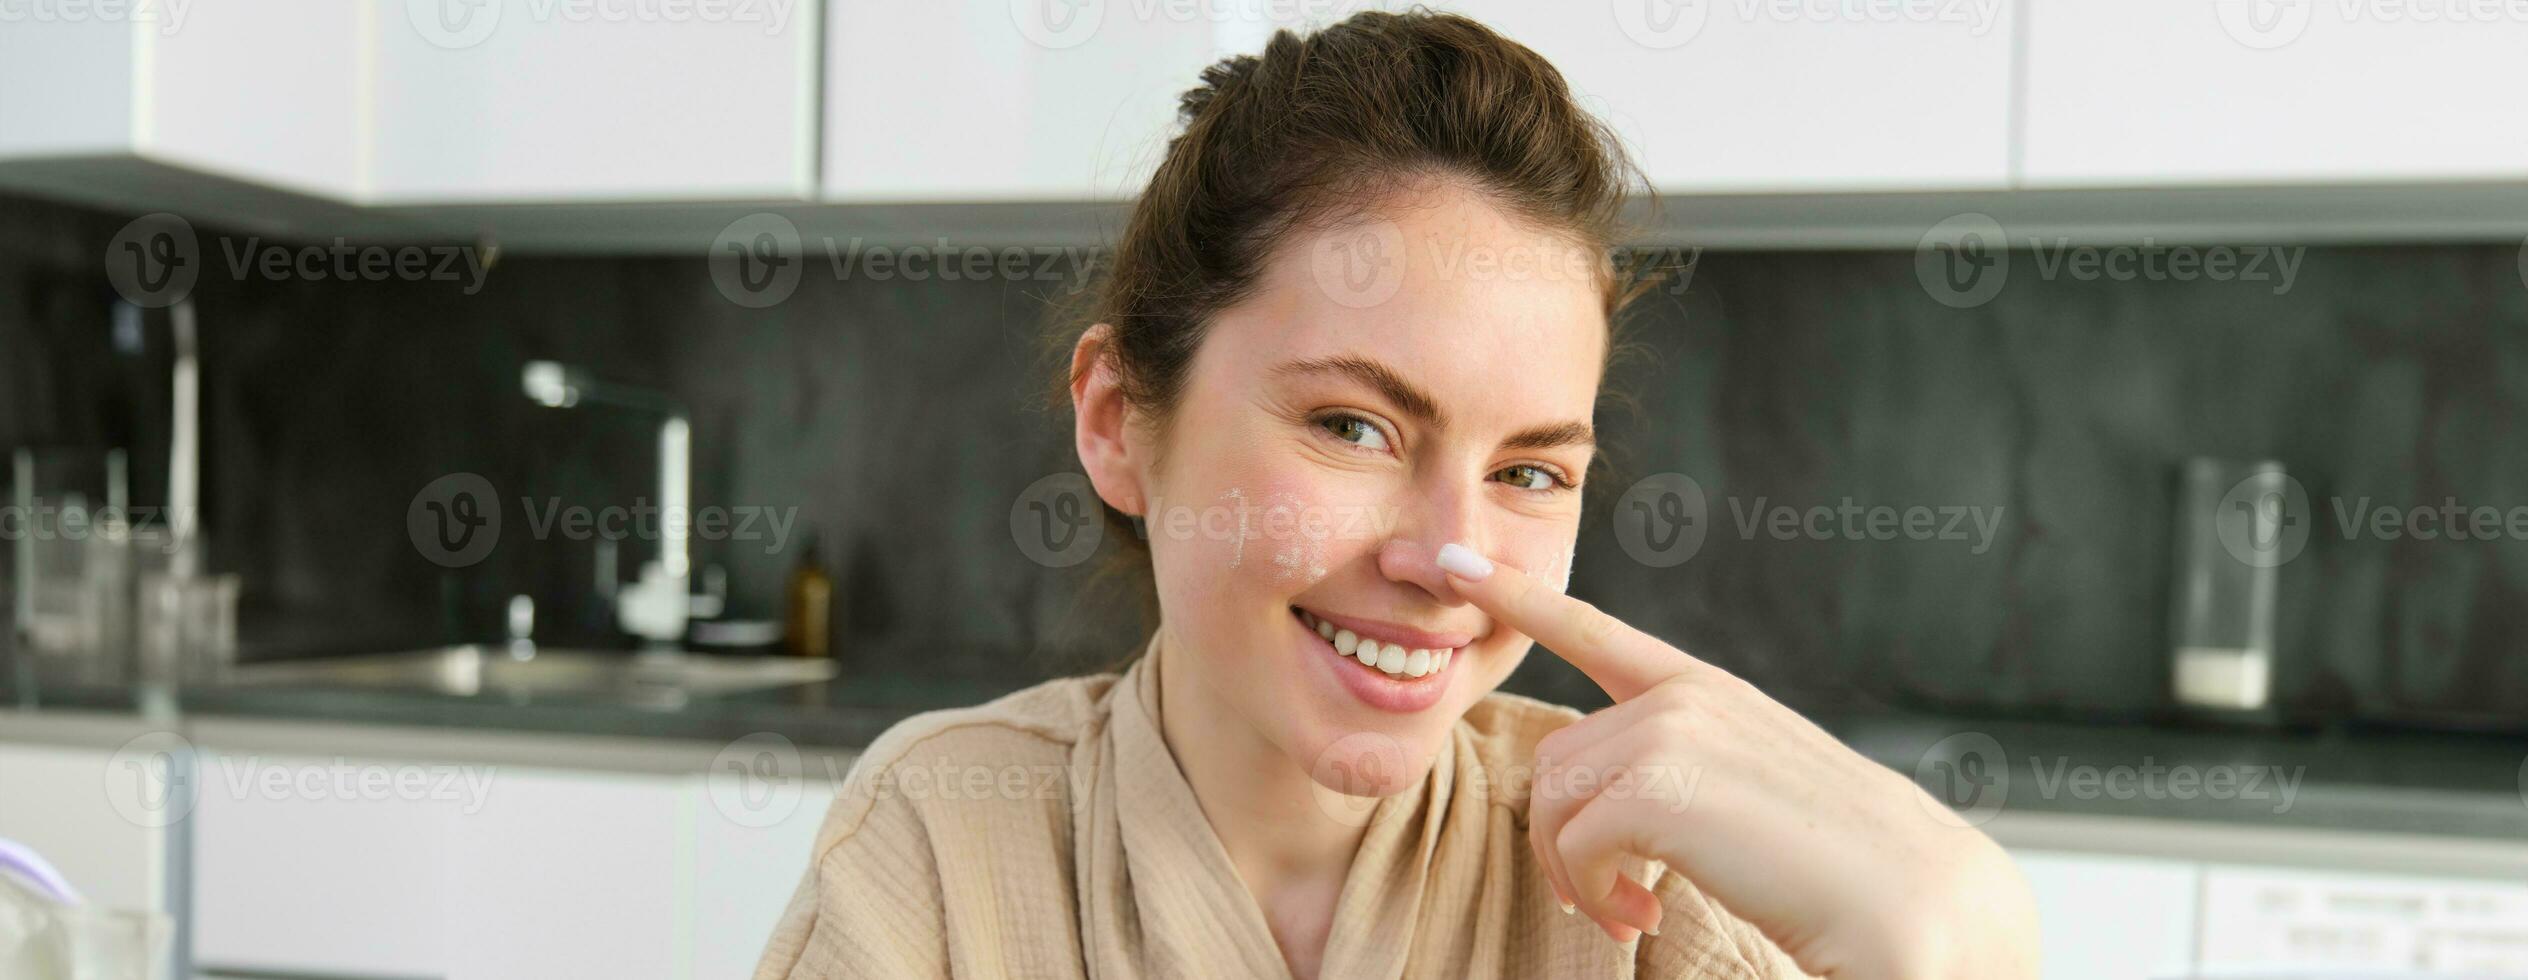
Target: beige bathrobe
1050,834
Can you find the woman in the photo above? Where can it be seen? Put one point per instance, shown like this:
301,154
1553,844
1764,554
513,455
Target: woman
1343,374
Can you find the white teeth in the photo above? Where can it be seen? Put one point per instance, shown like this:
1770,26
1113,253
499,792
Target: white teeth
1389,657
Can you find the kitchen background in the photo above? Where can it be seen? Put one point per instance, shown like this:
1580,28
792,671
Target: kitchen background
902,419
2007,264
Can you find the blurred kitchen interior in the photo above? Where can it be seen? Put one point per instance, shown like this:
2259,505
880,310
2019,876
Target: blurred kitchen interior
585,192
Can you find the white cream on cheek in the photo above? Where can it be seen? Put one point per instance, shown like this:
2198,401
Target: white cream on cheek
1299,553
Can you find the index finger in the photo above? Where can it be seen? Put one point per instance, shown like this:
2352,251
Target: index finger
1622,660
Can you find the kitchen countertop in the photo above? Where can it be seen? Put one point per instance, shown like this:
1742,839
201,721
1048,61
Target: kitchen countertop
843,712
2351,779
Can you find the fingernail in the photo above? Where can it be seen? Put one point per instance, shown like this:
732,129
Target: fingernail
1464,563
1652,931
1568,908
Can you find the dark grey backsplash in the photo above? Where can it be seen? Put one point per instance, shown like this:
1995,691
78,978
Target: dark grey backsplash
902,420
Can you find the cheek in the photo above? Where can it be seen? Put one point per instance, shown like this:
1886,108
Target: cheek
1258,530
1544,551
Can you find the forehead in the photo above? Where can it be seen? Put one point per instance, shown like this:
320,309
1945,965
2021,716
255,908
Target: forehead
1446,288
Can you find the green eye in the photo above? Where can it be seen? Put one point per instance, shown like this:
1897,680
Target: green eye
1355,430
1527,477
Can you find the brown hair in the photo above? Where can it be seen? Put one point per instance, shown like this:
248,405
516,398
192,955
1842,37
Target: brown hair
1312,130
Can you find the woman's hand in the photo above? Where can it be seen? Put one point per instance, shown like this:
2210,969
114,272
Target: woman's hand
1849,867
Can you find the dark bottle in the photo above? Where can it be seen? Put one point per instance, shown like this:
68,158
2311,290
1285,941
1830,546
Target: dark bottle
811,605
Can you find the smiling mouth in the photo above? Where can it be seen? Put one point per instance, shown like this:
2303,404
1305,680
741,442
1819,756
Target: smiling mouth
1392,659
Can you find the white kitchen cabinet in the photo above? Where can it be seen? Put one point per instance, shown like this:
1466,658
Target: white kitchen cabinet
1712,97
570,874
450,857
2271,921
986,100
293,874
98,813
2181,92
1730,96
2108,917
266,91
532,101
747,862
373,867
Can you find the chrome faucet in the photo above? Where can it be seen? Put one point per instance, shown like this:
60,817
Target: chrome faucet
657,606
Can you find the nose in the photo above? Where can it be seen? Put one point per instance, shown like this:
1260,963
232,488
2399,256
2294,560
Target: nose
1443,512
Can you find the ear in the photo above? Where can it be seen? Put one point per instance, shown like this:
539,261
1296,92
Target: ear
1102,423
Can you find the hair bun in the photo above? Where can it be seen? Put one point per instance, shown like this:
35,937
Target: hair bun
1216,79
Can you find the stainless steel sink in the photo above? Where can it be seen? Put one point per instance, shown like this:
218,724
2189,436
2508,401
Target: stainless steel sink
662,679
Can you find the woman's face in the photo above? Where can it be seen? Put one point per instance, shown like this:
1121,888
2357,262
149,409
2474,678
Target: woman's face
1421,375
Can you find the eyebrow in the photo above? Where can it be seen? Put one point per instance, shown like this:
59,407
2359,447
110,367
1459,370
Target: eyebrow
1553,437
1419,404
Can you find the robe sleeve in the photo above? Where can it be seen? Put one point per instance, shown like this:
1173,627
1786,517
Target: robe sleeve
870,905
1699,939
